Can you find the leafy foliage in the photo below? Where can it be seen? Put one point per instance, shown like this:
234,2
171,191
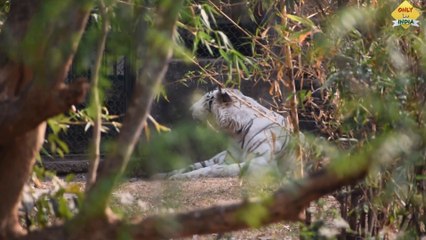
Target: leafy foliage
44,207
374,76
377,71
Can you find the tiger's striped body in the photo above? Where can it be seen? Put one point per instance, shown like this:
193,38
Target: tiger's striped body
262,136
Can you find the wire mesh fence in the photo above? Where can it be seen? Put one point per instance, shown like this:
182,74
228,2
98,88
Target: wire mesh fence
117,95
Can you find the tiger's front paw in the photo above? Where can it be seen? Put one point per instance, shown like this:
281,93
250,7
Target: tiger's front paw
182,176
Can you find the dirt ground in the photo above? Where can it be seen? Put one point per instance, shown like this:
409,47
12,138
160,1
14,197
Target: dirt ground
138,198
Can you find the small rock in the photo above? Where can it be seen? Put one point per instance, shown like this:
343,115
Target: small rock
126,198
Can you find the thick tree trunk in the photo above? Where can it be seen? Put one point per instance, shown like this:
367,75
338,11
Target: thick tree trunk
36,51
21,152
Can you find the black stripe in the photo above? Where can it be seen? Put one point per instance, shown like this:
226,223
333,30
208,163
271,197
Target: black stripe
210,105
253,147
246,129
261,130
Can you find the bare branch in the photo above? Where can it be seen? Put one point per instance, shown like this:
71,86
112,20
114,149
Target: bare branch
97,123
286,204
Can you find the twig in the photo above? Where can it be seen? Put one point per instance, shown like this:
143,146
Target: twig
288,83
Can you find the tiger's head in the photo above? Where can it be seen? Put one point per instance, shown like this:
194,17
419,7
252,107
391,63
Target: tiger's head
208,104
230,109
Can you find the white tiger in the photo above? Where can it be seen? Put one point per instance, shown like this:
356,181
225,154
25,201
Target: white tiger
262,135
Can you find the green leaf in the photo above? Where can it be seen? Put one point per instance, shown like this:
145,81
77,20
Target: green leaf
205,18
63,145
303,20
224,55
225,40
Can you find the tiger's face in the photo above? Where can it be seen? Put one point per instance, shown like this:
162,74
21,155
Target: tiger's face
209,103
234,113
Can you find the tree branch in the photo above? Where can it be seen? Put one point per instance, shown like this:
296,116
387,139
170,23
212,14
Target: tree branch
95,148
37,104
155,59
284,205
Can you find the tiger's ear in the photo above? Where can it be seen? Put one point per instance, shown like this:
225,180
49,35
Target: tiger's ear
219,88
224,96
